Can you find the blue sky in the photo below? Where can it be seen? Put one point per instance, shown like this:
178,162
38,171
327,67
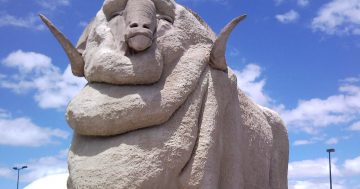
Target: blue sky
299,57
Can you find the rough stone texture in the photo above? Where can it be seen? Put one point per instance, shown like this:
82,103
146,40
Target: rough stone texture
159,116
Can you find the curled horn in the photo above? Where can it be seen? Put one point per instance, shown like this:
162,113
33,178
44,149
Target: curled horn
217,56
76,61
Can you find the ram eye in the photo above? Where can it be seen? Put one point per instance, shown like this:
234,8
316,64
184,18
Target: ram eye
166,18
115,14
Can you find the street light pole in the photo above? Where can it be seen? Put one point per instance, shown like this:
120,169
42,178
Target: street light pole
329,151
18,174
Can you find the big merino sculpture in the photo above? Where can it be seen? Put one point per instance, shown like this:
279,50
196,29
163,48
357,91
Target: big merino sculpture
161,108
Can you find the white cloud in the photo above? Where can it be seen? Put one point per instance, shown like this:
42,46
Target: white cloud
30,22
309,174
341,108
351,80
303,142
278,2
355,126
332,141
312,184
38,168
288,17
27,62
338,17
35,71
83,24
23,132
303,3
4,113
234,52
249,82
312,169
53,4
316,139
6,172
56,181
45,166
352,166
220,2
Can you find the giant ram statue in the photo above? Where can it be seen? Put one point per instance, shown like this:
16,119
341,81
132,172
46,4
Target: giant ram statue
162,109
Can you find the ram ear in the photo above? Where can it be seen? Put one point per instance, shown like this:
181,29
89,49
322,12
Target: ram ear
76,60
217,56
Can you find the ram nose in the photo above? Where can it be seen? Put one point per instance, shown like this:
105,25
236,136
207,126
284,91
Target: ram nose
141,24
139,35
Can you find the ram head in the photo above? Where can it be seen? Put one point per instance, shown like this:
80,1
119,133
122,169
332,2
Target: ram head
128,40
